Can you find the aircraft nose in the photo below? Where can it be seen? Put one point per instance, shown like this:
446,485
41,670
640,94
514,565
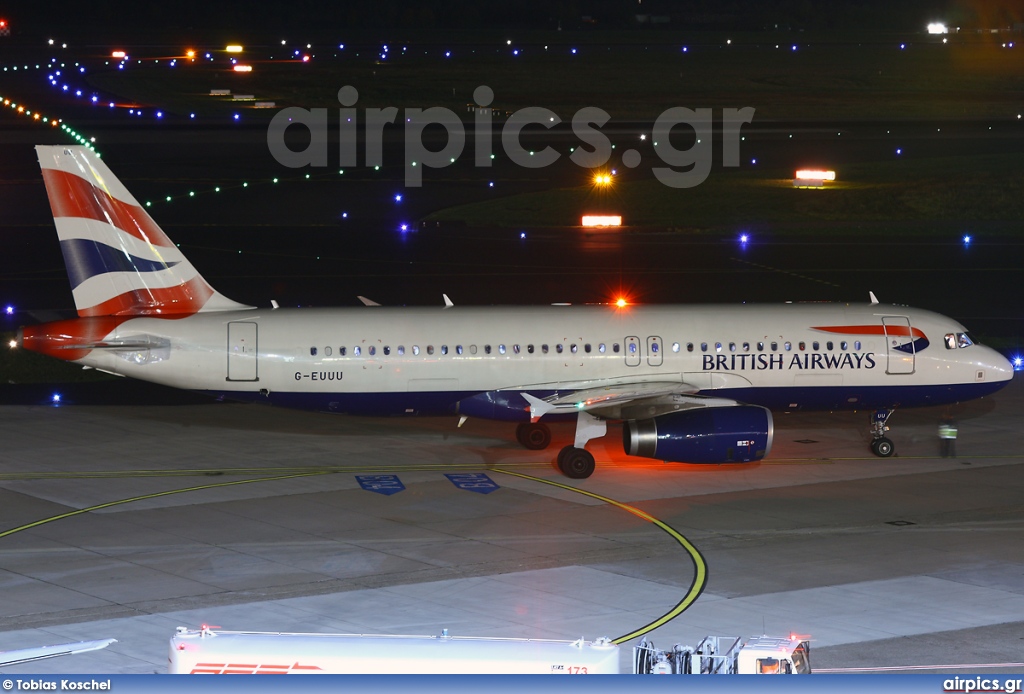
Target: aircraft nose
996,366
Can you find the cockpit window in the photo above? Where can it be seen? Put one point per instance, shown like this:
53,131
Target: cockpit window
957,340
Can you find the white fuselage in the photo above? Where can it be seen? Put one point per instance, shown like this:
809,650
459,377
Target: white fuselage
426,359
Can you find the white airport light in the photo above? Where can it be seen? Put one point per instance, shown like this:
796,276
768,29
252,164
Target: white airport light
598,220
118,54
937,28
233,48
12,344
816,174
242,68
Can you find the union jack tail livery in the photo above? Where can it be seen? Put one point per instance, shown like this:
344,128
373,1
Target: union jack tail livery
119,261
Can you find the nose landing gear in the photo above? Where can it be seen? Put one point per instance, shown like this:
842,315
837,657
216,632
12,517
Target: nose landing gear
881,446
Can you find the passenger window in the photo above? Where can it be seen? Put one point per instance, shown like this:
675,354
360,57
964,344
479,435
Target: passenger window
802,346
558,348
814,345
775,346
458,349
341,351
828,345
327,351
529,349
472,349
487,349
372,350
573,348
856,345
544,349
600,348
842,346
356,350
732,346
746,346
632,348
760,346
675,346
788,346
718,346
615,347
654,348
401,350
689,346
501,349
515,348
703,346
387,350
415,350
586,348
312,351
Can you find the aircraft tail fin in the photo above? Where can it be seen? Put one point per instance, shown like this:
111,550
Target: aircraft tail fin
119,261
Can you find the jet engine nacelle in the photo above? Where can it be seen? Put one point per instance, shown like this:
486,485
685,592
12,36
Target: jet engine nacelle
735,434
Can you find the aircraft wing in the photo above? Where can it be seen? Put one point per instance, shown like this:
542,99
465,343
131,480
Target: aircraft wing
28,655
614,402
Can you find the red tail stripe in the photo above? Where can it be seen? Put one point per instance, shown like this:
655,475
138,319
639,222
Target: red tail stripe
73,196
900,330
184,299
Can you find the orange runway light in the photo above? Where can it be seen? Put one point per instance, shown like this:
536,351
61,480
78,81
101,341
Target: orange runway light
233,48
621,302
118,54
242,68
595,220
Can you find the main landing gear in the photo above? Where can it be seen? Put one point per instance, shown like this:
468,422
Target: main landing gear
575,461
880,445
535,437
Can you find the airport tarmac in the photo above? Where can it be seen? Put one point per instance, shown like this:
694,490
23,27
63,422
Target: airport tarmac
127,522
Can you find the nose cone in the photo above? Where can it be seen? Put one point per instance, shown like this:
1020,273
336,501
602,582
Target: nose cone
993,366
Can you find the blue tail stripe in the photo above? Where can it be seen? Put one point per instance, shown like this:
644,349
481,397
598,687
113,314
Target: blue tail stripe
84,259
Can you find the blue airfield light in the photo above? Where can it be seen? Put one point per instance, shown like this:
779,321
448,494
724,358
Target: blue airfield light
522,234
685,49
1018,362
744,238
237,116
447,54
899,150
490,184
967,239
344,215
9,310
398,197
55,398
403,227
574,51
902,46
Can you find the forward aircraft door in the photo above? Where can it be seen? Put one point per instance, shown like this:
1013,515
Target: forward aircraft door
242,352
899,344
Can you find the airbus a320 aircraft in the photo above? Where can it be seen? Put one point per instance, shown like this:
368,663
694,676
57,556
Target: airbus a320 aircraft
690,383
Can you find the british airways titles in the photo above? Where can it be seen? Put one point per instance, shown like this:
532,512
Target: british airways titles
770,362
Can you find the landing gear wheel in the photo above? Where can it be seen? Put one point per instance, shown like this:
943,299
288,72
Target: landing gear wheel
882,447
576,463
535,437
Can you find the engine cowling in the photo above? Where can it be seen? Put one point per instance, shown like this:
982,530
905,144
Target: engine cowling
736,434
